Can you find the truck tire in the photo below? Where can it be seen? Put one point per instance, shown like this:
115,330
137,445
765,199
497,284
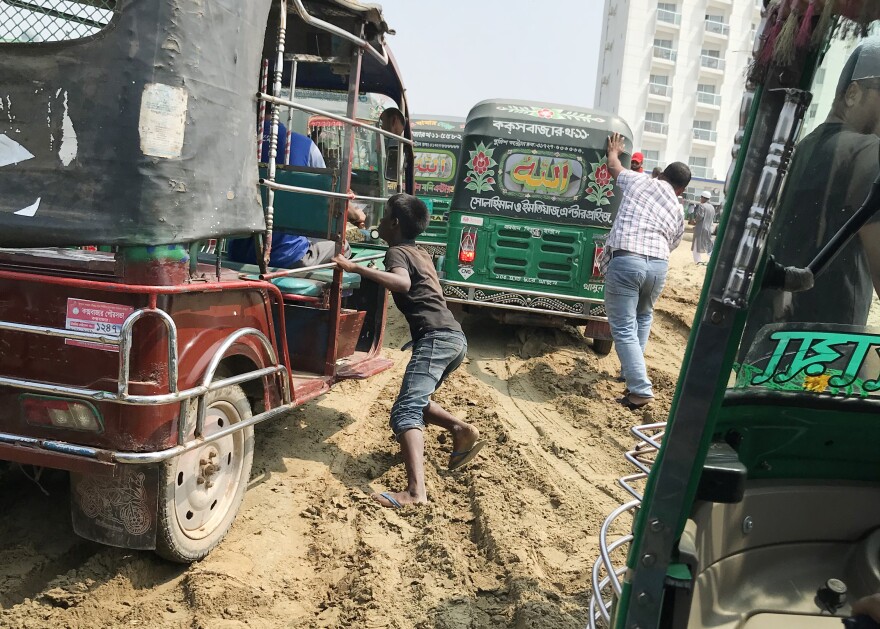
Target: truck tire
602,346
200,491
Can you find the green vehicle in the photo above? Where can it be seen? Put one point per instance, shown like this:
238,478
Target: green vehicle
532,207
437,145
757,505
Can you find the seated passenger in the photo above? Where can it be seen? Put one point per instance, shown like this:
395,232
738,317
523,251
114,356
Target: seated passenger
290,251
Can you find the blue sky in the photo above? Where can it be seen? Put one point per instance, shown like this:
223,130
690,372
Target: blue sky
455,53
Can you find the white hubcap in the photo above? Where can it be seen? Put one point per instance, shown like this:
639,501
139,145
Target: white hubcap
206,479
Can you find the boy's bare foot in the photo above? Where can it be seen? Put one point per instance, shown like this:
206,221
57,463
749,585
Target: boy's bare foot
396,500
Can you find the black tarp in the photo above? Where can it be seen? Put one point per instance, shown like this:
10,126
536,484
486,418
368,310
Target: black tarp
143,134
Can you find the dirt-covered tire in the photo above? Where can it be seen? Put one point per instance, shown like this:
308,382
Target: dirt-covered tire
602,346
201,491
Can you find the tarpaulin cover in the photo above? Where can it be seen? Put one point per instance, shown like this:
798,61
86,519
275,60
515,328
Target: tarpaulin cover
143,134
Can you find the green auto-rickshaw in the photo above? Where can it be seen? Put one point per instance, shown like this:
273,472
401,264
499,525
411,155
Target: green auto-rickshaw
532,207
437,145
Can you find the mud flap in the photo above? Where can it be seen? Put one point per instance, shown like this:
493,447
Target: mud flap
117,510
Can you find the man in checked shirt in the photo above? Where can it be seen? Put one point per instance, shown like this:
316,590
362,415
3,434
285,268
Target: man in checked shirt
648,226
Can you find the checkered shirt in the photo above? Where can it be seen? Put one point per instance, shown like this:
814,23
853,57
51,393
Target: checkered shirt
649,220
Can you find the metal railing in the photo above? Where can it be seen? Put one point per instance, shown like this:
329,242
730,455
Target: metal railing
705,135
658,89
712,63
717,28
656,127
703,172
709,98
669,17
608,588
668,54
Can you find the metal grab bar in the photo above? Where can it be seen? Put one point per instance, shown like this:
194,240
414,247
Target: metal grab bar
43,330
319,193
208,378
320,112
316,267
125,336
311,20
139,458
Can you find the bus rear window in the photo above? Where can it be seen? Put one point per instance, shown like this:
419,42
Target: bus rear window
35,21
434,165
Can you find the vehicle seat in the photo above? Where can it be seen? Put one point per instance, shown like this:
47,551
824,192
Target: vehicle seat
311,284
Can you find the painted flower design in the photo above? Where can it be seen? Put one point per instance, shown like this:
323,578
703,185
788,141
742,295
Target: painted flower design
481,176
817,384
480,163
600,189
545,113
603,177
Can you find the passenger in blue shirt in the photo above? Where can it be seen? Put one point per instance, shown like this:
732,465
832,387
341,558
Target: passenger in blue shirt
289,251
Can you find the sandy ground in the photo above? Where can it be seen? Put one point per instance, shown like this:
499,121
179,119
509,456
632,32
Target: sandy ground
509,542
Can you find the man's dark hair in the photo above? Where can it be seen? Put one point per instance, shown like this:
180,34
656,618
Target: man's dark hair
656,172
677,174
410,212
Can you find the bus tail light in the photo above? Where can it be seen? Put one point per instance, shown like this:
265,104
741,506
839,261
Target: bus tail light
52,412
597,271
467,252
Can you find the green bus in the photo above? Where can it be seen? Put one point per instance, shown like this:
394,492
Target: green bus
437,145
532,207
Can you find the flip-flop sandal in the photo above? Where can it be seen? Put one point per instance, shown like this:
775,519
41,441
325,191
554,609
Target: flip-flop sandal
628,403
463,458
394,503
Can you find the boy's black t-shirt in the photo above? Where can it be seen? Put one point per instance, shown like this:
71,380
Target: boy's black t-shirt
424,305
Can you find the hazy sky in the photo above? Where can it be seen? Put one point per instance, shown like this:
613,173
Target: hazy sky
454,53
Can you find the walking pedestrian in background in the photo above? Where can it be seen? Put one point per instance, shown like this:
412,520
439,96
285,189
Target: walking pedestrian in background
648,226
704,219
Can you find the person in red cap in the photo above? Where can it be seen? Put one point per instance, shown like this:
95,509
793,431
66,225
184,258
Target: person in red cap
635,163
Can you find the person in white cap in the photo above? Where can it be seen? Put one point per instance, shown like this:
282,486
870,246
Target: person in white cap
704,217
831,173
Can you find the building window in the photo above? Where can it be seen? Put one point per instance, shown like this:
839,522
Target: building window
710,58
700,167
655,122
652,160
668,12
658,85
707,94
663,49
702,130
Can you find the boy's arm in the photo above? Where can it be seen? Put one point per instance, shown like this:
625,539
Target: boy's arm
396,280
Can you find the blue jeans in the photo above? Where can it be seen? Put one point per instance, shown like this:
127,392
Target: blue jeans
632,286
434,356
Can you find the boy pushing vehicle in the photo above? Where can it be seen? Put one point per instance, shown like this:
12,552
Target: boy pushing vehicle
438,346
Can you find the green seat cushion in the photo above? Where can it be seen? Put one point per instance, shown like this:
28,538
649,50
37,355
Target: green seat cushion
349,280
299,286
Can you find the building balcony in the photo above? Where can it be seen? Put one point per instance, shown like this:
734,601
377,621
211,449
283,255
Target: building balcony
703,172
712,65
709,100
668,19
722,3
657,128
664,56
660,92
650,164
705,136
717,30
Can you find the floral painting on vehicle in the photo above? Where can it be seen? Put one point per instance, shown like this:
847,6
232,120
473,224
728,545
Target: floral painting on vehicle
481,169
600,189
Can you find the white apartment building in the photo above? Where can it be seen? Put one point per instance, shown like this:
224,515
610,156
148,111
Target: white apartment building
675,71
